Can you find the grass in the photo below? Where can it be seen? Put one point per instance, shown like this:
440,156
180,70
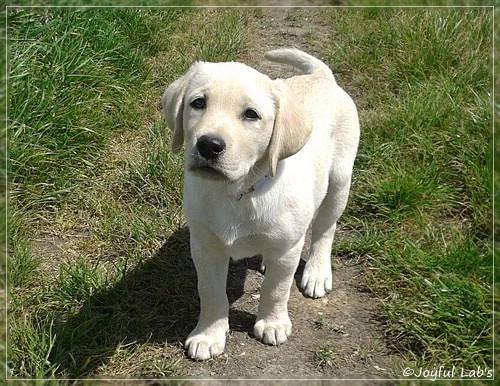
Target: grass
96,236
90,161
421,194
325,355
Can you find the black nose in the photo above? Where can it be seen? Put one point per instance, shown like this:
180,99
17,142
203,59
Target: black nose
210,147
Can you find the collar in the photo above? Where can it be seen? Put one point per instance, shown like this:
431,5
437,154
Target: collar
252,188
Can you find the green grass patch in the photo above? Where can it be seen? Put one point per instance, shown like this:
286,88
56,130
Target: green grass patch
95,189
74,77
422,185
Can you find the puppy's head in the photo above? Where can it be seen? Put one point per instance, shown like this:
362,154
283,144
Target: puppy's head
230,116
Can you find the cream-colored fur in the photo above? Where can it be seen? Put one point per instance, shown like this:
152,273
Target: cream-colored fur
264,159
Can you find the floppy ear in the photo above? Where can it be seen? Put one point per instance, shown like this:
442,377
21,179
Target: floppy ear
173,106
292,124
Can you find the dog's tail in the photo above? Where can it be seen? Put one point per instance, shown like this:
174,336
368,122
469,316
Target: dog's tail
299,59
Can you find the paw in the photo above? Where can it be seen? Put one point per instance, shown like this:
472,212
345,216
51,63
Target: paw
273,332
204,346
316,280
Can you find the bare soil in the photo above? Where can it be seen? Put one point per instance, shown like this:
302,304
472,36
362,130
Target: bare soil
339,336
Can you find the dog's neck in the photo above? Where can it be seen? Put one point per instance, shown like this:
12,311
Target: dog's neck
253,188
258,181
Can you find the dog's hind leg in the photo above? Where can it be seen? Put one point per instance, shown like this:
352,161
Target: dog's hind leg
317,275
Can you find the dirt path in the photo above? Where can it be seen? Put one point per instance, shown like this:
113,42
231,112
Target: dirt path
339,336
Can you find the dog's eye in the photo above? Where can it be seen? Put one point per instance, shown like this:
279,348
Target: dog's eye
251,114
198,103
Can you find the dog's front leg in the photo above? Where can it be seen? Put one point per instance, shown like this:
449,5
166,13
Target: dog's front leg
273,324
208,339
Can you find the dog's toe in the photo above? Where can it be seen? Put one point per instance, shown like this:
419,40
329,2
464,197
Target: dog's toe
202,347
273,332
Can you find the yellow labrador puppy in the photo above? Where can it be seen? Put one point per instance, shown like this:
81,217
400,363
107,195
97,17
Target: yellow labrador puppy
264,158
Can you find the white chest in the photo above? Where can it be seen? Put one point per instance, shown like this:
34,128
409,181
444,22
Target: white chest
246,226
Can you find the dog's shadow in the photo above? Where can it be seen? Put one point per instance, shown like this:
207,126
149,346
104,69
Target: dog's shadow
156,302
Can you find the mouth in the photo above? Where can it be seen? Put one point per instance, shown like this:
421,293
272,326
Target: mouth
208,172
210,169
